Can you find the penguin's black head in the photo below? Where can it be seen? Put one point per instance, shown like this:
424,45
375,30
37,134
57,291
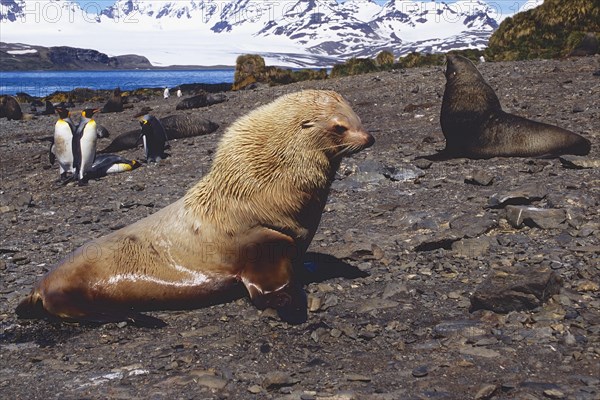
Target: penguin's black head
62,112
146,120
89,112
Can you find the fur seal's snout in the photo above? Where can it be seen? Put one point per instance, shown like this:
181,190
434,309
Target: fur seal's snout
248,222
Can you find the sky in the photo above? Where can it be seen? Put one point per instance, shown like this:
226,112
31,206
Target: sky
507,6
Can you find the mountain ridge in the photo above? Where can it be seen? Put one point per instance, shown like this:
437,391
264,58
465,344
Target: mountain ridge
313,33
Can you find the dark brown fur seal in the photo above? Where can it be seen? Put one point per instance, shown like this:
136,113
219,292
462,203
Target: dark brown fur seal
249,220
176,127
476,127
10,108
187,125
201,100
115,103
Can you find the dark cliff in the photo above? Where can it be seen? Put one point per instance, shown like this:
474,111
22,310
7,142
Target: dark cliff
21,57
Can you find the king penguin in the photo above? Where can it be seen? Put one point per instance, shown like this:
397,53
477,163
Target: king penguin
154,137
84,147
111,164
61,148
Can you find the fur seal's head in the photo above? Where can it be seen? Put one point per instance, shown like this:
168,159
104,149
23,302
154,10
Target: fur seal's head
274,166
461,68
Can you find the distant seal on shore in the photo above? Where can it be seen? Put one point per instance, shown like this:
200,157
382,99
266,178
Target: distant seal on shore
10,108
248,221
187,125
115,103
176,127
475,126
201,100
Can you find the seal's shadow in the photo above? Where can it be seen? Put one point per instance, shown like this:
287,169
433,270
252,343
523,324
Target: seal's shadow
319,267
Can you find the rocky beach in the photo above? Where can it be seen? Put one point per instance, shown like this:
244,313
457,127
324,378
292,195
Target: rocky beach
458,279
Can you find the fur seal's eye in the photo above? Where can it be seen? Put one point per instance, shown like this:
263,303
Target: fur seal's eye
340,129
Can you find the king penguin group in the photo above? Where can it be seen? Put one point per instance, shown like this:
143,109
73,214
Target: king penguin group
74,147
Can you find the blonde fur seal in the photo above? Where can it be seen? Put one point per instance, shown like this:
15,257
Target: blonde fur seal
249,220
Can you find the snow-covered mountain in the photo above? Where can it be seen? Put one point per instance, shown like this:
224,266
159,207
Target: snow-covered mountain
289,32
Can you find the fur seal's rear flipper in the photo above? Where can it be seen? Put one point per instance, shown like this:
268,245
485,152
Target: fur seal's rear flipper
475,126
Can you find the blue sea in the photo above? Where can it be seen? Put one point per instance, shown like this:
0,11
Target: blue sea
42,83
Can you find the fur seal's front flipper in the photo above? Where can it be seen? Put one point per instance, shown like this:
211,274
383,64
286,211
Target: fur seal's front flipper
268,270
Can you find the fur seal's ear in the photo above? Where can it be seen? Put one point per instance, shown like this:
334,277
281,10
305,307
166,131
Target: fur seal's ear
307,124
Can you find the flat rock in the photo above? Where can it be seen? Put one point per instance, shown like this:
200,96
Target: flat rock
522,196
472,248
278,379
542,218
516,289
579,162
375,304
481,178
471,226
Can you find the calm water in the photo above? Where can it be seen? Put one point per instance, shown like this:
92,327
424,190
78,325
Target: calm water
42,83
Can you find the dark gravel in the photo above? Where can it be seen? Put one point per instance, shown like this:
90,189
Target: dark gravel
402,246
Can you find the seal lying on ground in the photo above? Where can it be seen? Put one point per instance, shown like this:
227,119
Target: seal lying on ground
201,100
476,127
249,220
10,108
175,126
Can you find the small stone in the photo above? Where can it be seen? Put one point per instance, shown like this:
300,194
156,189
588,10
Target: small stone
521,196
357,378
480,178
579,162
554,394
420,371
278,379
404,174
314,303
472,248
423,163
394,288
588,286
211,382
578,108
516,289
479,352
486,392
375,304
535,217
472,226
23,200
255,389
